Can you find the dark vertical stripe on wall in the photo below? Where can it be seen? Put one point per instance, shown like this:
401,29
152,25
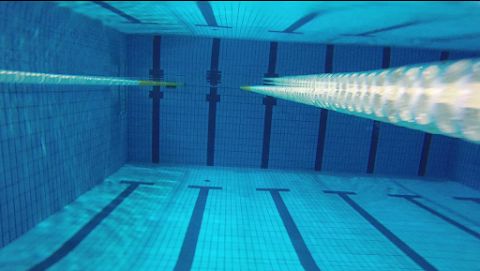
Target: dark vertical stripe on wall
156,95
445,56
376,124
272,60
156,52
427,141
322,130
269,102
213,77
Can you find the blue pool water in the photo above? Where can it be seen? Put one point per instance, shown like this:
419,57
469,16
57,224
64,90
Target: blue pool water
210,177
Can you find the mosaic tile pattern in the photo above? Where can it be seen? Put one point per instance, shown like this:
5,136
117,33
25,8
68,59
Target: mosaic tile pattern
242,228
56,142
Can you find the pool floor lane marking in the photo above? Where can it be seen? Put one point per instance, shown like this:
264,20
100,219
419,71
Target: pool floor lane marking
301,248
439,215
189,246
73,242
476,200
386,232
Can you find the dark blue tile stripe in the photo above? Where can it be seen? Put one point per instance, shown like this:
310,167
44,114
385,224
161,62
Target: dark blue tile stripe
189,246
117,11
445,56
372,155
213,76
427,141
135,182
445,218
301,248
338,192
322,129
443,207
212,118
269,102
329,59
384,29
476,200
301,22
207,12
386,232
272,60
73,242
156,95
387,52
157,41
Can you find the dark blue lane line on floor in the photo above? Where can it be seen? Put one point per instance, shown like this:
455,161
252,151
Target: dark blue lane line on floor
208,15
443,207
368,33
301,248
299,23
414,256
476,200
189,246
156,74
376,124
269,102
456,37
430,210
213,78
322,129
207,12
117,11
427,141
73,242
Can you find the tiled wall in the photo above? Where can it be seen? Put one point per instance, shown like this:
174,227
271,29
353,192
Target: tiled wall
56,142
183,129
139,108
295,126
240,115
465,164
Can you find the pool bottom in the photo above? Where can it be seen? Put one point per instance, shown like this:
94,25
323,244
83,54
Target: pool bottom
149,217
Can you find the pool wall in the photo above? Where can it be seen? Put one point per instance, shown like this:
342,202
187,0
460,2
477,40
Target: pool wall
299,138
56,142
464,166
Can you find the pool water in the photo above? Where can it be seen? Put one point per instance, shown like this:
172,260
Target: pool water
207,176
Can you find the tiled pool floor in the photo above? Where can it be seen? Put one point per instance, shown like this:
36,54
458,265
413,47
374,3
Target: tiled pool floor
214,218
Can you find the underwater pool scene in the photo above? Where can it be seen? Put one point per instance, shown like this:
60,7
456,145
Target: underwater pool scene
239,135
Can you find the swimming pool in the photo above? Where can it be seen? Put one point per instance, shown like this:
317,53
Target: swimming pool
205,176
